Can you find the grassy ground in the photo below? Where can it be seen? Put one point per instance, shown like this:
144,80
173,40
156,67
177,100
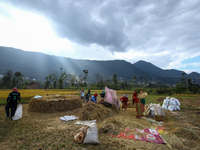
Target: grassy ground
47,131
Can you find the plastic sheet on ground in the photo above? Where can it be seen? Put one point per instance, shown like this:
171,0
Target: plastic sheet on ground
151,136
87,123
68,118
37,96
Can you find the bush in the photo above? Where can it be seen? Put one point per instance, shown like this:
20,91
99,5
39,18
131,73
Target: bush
154,92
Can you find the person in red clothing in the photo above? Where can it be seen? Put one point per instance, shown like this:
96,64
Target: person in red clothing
139,112
133,99
124,100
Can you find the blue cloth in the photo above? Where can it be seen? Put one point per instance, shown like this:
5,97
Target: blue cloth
93,99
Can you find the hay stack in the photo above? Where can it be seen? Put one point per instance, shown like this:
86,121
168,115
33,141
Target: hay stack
110,126
49,104
130,104
95,111
161,99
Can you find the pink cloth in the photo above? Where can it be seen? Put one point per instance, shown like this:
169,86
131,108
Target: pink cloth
111,97
15,89
153,135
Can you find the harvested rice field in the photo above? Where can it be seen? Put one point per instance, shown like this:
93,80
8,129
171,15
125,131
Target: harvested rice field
45,130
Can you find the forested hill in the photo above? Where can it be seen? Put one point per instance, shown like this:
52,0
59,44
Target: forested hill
38,65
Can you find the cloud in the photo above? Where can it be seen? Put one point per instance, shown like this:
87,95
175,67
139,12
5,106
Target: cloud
161,32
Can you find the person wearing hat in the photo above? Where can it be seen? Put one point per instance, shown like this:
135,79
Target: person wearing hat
139,112
82,94
94,98
142,102
102,94
124,100
12,102
87,96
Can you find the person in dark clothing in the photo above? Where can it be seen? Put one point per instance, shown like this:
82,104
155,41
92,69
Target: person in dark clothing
87,96
12,102
102,94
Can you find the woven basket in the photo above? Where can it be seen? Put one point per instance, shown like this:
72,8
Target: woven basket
158,117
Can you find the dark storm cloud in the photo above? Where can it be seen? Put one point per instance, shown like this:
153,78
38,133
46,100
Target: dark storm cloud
119,25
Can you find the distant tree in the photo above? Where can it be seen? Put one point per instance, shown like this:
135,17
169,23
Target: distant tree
99,81
14,82
145,80
72,79
101,84
183,82
63,76
53,80
7,79
108,83
98,77
19,78
47,83
85,77
115,82
190,84
135,81
55,84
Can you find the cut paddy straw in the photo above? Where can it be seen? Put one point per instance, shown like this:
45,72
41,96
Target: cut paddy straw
57,103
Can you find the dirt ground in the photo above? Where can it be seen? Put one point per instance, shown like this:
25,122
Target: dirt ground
47,131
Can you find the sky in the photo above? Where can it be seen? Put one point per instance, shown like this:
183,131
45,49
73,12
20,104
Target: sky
164,33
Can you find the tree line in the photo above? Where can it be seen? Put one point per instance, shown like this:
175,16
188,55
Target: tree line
64,80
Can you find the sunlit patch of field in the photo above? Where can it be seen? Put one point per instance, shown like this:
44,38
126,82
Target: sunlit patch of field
27,94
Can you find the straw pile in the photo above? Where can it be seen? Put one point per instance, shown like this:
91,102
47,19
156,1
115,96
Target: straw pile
110,126
130,104
54,103
161,99
95,111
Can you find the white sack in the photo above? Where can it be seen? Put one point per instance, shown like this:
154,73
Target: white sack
152,114
172,107
165,103
18,112
92,134
172,104
177,104
159,111
162,112
172,101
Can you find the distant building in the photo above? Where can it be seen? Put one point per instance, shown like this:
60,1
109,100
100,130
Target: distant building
32,85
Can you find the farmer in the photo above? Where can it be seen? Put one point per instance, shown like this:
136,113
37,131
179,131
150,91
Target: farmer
87,96
124,101
142,102
102,94
94,98
82,94
139,112
133,100
12,102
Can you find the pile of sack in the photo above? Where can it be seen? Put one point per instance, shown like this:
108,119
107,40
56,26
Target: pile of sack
155,110
171,104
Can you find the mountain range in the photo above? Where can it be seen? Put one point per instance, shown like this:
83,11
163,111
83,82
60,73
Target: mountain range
37,65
